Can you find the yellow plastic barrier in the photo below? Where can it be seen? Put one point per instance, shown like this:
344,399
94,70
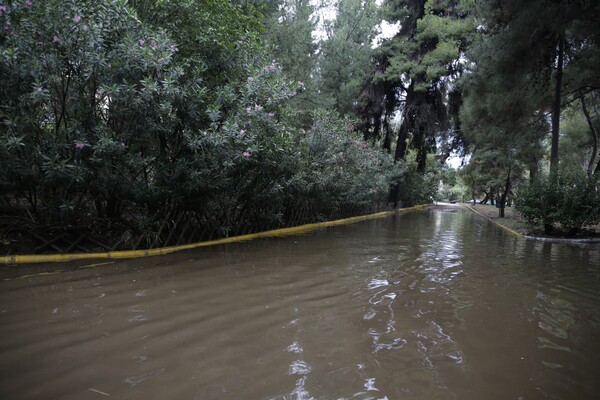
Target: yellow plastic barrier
48,258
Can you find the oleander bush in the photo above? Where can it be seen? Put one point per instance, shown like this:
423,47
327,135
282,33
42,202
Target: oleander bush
104,116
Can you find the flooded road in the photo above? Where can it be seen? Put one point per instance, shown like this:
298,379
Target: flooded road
437,304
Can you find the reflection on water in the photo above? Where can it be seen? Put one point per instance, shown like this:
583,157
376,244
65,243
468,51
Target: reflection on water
432,305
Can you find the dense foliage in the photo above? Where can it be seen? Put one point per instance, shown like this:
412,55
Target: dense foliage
108,113
534,72
233,114
567,201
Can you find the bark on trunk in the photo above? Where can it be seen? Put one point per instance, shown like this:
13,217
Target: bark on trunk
505,194
421,150
401,145
595,106
590,168
486,198
556,107
533,171
407,120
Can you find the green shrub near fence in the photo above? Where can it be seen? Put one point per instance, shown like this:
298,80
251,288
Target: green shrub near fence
567,200
105,119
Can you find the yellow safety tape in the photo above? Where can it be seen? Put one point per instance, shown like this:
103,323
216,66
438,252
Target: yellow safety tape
49,258
506,228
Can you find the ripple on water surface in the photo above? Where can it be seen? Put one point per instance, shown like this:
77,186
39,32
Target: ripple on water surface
426,305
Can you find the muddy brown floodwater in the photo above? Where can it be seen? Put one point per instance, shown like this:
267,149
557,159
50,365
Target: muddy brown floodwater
438,304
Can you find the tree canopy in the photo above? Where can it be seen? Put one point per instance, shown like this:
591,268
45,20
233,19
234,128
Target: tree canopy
234,112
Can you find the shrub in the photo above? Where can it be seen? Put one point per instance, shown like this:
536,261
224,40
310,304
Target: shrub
103,117
88,100
567,200
338,168
414,187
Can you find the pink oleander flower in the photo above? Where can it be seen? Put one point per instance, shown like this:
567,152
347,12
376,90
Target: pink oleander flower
271,115
2,9
246,154
257,107
248,110
55,39
242,131
272,67
142,42
79,145
76,18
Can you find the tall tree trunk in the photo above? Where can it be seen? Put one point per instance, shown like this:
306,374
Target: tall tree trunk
534,169
595,106
505,194
401,145
387,139
407,120
421,149
556,107
390,107
486,198
590,167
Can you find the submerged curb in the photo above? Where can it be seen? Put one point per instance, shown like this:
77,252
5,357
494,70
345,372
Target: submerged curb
48,258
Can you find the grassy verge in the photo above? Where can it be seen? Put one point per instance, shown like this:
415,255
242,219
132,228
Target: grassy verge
513,220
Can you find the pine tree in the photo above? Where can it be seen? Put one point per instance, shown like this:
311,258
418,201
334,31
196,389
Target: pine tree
345,56
533,58
417,67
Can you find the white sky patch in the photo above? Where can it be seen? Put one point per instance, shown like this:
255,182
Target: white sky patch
455,161
329,13
323,14
388,31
